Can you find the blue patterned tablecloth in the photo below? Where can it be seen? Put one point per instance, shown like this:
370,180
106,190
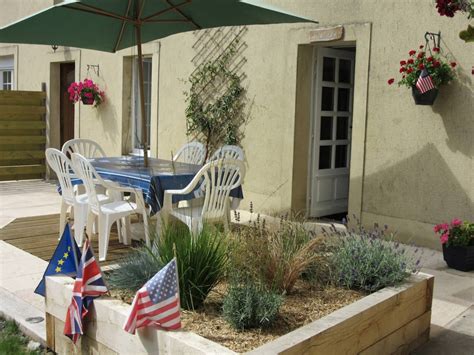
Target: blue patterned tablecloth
153,180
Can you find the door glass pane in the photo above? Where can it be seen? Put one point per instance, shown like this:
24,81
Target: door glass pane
343,99
326,128
327,102
329,69
344,71
341,156
342,130
325,155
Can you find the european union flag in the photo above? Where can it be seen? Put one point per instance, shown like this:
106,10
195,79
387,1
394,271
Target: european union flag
64,260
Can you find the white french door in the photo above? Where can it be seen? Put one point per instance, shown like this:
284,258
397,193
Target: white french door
333,92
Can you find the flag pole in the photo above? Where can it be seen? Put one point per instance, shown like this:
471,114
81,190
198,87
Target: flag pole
177,277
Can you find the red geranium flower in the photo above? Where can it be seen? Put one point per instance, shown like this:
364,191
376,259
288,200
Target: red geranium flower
421,55
409,70
402,69
412,52
410,61
421,46
421,66
453,64
429,59
402,62
436,49
436,64
391,81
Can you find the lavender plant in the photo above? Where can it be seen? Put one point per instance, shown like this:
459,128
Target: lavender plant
371,260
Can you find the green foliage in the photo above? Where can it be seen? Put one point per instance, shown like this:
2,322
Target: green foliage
135,270
275,257
12,341
215,102
249,305
369,261
462,235
202,260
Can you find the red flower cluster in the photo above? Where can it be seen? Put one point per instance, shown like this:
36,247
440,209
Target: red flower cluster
447,7
86,89
441,71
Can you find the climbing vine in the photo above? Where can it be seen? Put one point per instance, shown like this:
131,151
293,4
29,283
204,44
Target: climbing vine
215,102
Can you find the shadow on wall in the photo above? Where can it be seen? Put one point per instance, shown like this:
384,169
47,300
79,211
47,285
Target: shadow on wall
458,97
420,188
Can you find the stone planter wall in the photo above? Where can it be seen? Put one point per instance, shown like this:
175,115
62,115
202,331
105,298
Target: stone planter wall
392,320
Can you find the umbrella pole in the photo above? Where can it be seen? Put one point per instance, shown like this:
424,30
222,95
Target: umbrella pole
142,95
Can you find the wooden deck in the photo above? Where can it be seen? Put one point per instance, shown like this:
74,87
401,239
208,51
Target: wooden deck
39,236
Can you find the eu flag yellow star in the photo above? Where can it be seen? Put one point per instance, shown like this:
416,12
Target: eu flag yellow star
60,262
58,269
65,255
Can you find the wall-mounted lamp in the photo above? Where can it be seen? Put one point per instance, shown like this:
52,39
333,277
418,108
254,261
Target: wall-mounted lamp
54,47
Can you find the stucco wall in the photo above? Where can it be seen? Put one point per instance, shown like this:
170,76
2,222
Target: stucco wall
412,166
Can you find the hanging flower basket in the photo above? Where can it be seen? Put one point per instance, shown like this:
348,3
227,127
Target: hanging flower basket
86,91
87,100
426,69
428,98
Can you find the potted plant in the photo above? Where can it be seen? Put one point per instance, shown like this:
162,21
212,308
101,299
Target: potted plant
457,239
86,91
433,67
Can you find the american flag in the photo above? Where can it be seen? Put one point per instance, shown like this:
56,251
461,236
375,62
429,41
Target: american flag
156,304
424,82
88,285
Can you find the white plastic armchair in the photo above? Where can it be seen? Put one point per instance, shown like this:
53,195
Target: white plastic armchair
192,153
62,166
108,212
228,152
85,147
217,178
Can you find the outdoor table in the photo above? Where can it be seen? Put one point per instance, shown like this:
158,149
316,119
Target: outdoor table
160,175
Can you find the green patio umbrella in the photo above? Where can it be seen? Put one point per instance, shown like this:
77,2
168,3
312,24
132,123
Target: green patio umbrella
111,25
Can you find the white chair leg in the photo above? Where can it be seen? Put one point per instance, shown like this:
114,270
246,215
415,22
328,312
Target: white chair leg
125,230
80,221
119,230
90,224
62,217
104,234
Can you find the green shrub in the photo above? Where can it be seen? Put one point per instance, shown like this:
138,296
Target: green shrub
202,260
12,340
370,261
248,305
135,270
278,257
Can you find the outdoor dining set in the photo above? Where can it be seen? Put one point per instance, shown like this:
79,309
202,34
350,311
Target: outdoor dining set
100,191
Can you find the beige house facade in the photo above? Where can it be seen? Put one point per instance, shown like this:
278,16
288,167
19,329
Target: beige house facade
325,135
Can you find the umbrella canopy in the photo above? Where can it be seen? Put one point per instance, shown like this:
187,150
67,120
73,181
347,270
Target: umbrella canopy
111,25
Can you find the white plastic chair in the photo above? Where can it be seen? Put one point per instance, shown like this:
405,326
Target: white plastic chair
228,152
61,165
108,212
191,153
217,178
85,147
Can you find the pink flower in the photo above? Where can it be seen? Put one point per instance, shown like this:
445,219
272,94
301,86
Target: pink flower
437,228
444,238
456,222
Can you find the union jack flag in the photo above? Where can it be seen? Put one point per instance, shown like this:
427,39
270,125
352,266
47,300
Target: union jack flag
88,285
156,304
424,82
